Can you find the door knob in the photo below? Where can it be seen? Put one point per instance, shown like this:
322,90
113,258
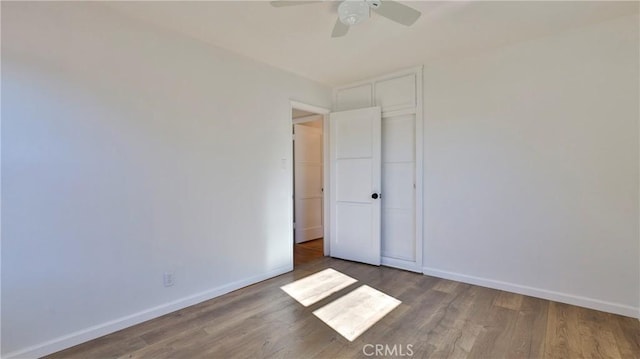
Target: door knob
375,196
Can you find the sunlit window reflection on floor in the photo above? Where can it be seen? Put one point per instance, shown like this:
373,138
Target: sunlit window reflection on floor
349,315
357,311
318,286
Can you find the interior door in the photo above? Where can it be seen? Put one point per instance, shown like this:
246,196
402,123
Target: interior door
355,179
307,149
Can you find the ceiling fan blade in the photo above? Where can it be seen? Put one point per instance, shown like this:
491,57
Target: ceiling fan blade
397,12
283,3
339,29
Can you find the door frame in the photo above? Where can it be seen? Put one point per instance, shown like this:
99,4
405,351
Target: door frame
324,113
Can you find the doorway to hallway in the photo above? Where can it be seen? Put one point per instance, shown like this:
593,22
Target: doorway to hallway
308,183
308,252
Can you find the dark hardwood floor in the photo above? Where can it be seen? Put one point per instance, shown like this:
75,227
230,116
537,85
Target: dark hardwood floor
307,252
437,317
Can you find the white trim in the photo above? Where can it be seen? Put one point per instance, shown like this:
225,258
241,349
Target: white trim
400,112
419,178
567,298
99,330
306,119
399,73
309,108
326,188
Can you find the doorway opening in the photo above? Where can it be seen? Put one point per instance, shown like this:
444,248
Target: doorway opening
308,184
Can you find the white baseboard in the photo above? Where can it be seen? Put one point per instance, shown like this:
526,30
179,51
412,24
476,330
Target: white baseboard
97,331
580,301
310,234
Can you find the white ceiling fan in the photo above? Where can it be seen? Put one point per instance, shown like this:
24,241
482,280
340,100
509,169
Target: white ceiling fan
352,12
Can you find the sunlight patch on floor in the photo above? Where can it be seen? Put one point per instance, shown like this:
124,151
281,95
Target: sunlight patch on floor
354,313
318,286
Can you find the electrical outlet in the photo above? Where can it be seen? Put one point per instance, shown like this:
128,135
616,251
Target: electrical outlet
168,279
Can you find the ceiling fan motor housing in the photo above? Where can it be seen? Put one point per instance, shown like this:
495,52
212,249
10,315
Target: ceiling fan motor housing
352,12
374,4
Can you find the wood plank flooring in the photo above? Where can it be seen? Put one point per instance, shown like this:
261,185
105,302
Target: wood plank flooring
307,252
437,317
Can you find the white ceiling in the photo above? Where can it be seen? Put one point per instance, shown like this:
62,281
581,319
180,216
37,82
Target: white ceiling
297,39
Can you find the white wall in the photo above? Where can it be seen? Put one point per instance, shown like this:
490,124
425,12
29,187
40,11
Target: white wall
128,151
531,167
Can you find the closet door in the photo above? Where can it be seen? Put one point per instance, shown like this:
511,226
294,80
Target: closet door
355,180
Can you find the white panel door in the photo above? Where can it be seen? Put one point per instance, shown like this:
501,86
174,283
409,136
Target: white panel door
398,176
307,149
354,97
355,179
396,93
